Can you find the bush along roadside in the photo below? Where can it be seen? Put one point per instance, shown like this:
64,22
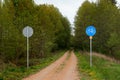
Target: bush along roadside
17,73
101,70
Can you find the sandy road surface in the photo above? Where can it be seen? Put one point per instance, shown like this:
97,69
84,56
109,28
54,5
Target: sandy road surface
64,68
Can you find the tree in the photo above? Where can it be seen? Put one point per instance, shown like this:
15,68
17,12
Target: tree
113,43
84,18
104,17
49,27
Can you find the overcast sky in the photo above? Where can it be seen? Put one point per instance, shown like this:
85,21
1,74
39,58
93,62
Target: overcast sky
68,8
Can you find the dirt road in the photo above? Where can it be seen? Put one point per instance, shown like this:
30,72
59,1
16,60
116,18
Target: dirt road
64,68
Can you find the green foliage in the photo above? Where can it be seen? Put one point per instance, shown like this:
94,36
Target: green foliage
82,20
105,17
113,44
51,30
112,1
113,40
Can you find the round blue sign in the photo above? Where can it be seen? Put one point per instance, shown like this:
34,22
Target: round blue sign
90,30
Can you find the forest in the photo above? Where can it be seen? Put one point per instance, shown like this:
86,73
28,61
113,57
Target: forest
105,16
53,32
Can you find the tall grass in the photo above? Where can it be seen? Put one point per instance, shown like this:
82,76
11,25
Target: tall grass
17,73
101,70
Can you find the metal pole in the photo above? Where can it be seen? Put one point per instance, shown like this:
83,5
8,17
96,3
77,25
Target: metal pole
27,50
90,51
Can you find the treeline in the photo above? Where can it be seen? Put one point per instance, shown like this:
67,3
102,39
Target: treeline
51,30
105,16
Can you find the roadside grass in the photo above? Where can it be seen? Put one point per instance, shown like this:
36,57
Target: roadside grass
101,70
18,73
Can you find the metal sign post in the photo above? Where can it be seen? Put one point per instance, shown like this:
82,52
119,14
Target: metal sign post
90,31
90,51
27,32
27,52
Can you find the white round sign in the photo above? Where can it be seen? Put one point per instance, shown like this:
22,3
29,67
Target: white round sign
27,31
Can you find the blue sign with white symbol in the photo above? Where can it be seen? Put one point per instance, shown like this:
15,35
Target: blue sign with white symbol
90,30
